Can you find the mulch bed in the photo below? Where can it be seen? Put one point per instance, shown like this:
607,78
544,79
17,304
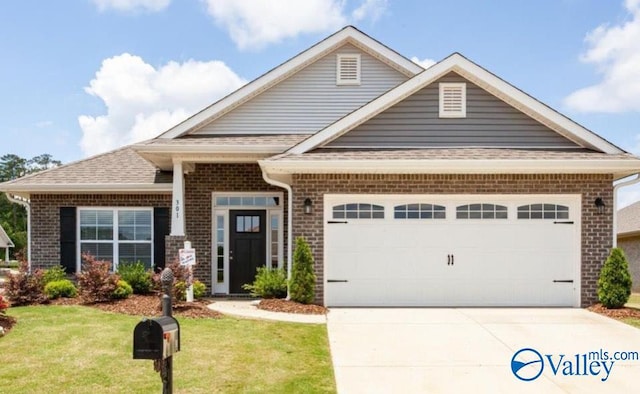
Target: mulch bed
279,305
7,322
621,313
146,305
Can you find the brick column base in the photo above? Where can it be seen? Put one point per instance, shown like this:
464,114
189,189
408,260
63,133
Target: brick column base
173,243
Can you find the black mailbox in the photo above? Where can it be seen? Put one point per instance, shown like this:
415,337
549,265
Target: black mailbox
156,339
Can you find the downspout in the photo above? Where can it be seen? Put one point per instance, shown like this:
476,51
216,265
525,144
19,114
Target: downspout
615,204
25,203
287,187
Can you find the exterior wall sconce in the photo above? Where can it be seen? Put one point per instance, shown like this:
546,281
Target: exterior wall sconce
599,203
307,206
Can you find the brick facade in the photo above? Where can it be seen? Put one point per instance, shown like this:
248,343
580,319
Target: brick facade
45,218
631,247
596,231
199,186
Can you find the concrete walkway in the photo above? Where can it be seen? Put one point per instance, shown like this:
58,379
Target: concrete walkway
440,350
248,309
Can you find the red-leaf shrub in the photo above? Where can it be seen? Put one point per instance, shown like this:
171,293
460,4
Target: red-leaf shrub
26,288
3,305
96,281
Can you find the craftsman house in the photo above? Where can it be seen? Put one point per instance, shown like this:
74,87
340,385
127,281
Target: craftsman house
439,187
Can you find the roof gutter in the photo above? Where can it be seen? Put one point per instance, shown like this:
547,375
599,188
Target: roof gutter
287,187
616,187
27,204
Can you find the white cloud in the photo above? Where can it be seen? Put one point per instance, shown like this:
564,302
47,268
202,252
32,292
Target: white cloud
615,51
370,9
254,24
132,5
143,101
424,63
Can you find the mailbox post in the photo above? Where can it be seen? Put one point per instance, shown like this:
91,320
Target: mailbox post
158,339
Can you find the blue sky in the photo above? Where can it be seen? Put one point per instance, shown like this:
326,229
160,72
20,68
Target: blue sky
79,77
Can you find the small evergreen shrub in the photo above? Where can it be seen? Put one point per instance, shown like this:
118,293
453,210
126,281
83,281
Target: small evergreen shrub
269,283
60,288
303,279
136,275
26,288
96,282
123,290
614,285
199,289
54,274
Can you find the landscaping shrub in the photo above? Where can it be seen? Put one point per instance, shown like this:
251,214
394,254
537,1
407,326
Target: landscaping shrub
3,305
96,282
303,279
614,285
60,288
123,290
199,289
269,283
180,275
136,275
26,288
54,274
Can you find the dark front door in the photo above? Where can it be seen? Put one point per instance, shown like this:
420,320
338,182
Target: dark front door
247,247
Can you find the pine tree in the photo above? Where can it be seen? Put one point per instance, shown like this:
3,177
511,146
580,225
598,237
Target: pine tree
614,285
303,279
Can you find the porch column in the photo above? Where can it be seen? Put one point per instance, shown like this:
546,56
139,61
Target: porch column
177,203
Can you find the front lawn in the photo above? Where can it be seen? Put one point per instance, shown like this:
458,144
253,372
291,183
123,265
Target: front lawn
77,349
634,301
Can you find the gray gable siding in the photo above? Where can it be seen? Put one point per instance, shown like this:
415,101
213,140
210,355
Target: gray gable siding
415,123
308,101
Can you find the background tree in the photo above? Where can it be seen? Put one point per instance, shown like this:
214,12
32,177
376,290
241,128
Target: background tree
13,217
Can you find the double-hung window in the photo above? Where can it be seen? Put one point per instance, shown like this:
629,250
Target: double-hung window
117,235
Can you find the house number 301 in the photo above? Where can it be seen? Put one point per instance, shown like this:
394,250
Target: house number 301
177,209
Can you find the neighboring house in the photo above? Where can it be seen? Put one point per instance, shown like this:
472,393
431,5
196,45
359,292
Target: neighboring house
445,186
628,230
5,243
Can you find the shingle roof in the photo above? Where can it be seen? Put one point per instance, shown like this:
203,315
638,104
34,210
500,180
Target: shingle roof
121,166
227,140
628,219
452,154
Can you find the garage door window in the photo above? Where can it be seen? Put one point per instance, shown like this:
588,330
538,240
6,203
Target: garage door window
481,211
358,211
543,211
419,211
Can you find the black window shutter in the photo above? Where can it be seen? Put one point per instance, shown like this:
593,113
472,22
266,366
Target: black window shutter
161,227
68,239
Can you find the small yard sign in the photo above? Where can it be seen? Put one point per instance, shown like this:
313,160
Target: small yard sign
187,257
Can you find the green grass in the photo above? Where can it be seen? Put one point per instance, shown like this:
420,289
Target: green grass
632,321
634,301
76,349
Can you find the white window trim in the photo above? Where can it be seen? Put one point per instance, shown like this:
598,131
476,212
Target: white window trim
452,114
114,241
339,80
223,288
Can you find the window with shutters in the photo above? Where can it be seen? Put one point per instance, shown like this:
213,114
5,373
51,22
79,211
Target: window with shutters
348,69
453,100
117,235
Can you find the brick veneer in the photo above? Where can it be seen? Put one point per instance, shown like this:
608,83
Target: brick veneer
45,218
199,186
172,246
596,227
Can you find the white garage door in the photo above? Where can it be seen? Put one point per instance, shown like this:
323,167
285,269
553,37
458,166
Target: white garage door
469,250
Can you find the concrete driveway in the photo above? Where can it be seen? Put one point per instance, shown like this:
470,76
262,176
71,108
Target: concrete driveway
440,350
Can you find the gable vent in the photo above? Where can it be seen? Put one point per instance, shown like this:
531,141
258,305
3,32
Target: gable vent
348,69
453,100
